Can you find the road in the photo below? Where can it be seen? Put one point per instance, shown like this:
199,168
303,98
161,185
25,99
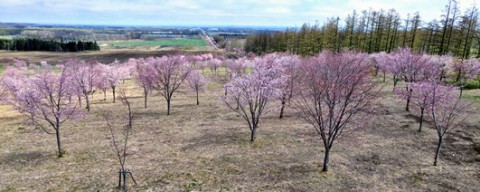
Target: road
208,39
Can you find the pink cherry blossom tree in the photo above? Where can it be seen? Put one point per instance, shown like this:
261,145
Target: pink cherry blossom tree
336,92
101,81
196,82
238,66
392,67
44,97
143,76
214,64
422,96
411,68
443,62
250,94
466,69
169,72
224,78
110,76
291,71
83,75
447,111
476,69
12,80
380,62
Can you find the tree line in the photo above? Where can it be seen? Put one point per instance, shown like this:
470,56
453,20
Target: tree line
379,30
34,44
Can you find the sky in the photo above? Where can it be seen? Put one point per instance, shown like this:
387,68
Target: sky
281,13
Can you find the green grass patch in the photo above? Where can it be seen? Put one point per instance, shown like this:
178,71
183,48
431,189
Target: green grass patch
470,84
162,43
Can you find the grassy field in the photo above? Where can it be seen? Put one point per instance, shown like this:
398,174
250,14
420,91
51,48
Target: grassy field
206,148
162,43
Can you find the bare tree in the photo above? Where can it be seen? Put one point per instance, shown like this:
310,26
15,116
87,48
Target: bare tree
119,145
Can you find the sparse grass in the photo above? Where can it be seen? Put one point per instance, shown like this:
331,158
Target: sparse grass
207,148
472,95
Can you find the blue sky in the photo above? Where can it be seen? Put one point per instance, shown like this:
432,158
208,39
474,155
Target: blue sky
289,13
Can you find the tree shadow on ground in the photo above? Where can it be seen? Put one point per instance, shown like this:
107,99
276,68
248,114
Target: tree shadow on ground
23,158
210,139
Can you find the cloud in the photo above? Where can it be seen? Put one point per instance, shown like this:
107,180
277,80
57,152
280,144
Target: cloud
200,12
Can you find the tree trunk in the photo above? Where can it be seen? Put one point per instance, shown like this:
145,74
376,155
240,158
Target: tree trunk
88,103
113,91
394,82
409,97
439,146
444,31
442,74
421,119
198,102
124,173
252,134
79,101
104,95
145,94
59,145
459,75
283,107
384,76
168,106
326,159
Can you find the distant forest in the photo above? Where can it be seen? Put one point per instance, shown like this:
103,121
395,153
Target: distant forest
376,31
33,44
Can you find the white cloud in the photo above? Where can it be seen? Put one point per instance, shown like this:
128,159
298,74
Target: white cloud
226,12
278,10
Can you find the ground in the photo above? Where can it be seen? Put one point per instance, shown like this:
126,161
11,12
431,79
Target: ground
104,56
207,148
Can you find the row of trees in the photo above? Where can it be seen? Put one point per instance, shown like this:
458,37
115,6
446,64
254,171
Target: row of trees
30,44
425,78
50,98
333,92
379,30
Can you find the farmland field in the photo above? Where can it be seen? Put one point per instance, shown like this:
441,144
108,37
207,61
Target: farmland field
162,43
104,56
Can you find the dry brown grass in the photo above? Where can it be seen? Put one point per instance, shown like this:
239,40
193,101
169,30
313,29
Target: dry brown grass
206,148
